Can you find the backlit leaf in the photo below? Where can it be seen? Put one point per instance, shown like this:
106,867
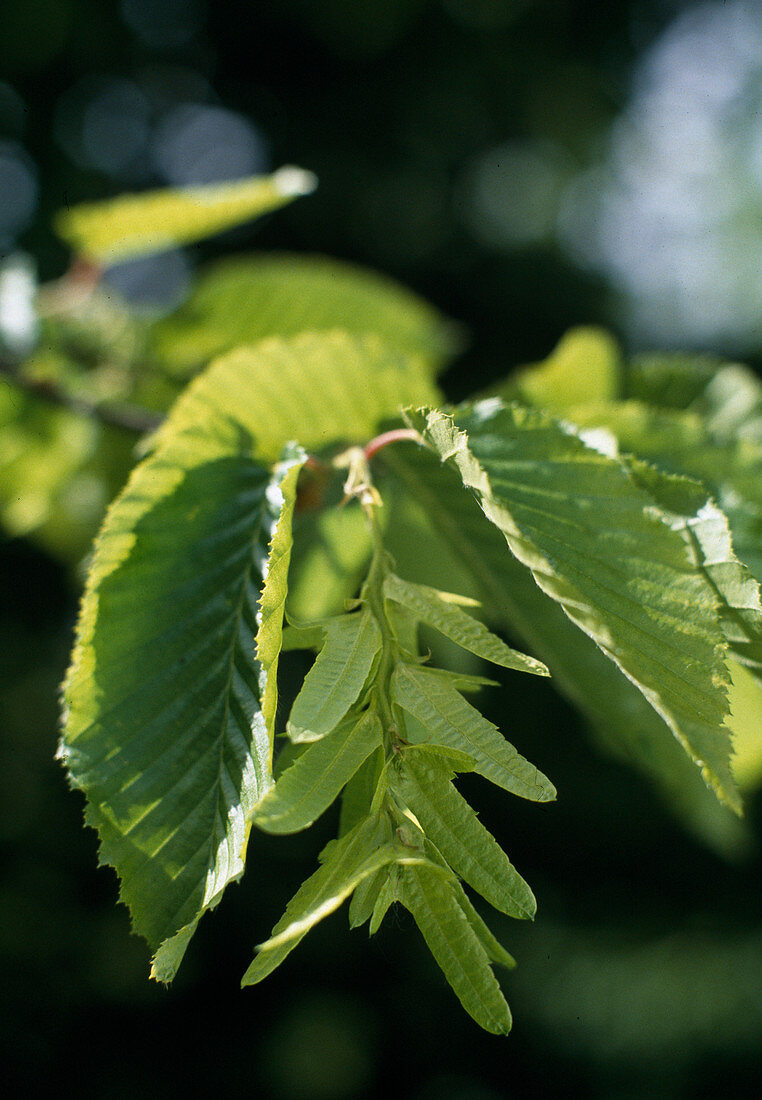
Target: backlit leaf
344,865
681,443
450,823
170,698
134,225
615,709
247,299
318,388
586,365
596,543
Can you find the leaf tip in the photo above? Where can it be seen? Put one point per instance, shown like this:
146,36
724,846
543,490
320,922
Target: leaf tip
292,182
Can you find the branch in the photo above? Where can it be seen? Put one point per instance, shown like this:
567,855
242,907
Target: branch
128,418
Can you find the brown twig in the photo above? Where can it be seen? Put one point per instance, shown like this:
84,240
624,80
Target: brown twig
128,418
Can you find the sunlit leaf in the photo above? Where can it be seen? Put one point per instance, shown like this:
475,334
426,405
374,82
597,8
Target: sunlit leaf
597,544
617,713
246,299
670,380
317,388
688,508
681,443
585,366
344,865
133,225
386,897
170,697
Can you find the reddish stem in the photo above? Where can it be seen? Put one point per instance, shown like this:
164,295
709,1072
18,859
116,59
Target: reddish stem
395,436
316,464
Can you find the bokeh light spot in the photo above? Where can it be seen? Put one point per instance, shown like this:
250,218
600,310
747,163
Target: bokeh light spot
18,190
197,144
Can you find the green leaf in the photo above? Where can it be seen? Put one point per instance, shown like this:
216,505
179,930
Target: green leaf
247,299
688,508
298,636
427,507
134,225
682,443
306,789
428,606
585,366
357,797
169,700
365,898
58,471
332,549
344,865
366,895
464,682
598,545
455,945
449,823
387,895
495,950
333,684
496,953
450,721
731,405
671,380
746,707
319,388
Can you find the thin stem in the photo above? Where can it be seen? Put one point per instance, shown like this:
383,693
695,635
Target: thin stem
128,418
394,436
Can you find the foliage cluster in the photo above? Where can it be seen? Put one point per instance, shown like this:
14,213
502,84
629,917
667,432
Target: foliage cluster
604,514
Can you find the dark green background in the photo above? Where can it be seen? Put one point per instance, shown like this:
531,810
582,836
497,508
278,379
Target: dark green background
641,974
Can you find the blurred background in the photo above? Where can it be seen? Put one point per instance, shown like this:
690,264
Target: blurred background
527,165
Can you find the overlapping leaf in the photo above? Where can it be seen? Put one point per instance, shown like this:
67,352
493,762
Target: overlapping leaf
585,366
306,789
247,299
450,824
317,388
423,499
731,405
455,944
682,443
688,508
429,606
452,722
596,543
352,644
344,865
669,380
